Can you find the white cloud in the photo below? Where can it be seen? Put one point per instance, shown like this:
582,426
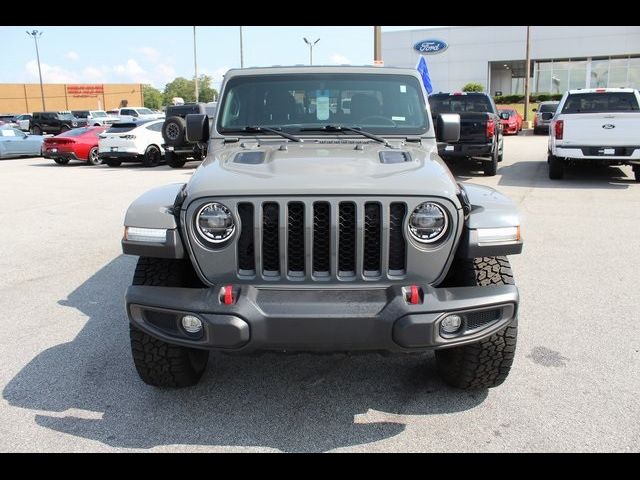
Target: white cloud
149,53
164,73
216,75
71,55
50,73
95,74
132,72
339,59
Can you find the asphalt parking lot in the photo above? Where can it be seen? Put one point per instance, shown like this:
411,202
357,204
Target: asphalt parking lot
68,382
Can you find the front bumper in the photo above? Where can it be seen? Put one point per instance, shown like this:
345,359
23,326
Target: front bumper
461,150
320,320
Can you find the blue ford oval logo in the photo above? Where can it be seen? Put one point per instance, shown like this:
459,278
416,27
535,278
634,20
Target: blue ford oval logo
430,46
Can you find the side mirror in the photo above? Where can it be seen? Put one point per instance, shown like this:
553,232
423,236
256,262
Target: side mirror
534,109
197,128
448,127
504,116
547,116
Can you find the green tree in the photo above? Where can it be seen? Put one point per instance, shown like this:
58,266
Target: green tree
473,87
186,89
152,97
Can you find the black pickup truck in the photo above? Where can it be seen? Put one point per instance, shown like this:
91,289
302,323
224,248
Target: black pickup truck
480,128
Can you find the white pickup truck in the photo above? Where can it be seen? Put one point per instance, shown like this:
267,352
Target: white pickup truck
597,125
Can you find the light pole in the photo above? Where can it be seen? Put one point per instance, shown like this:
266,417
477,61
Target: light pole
527,72
36,34
377,46
195,62
311,45
241,53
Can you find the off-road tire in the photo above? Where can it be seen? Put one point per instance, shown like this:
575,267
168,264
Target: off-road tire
173,160
64,128
556,168
113,163
61,161
484,364
93,157
490,167
36,130
159,363
173,131
152,156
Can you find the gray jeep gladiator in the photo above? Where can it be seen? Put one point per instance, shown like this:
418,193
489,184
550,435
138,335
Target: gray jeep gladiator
312,227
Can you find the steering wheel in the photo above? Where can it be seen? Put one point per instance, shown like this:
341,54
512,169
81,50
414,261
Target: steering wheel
386,120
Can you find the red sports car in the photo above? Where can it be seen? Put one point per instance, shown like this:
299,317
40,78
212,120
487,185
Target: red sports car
511,121
77,144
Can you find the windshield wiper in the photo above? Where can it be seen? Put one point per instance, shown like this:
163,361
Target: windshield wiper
258,129
342,128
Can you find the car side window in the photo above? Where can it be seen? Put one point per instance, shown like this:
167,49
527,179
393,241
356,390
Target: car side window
157,127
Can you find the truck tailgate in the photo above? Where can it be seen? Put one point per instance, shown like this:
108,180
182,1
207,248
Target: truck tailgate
473,127
601,129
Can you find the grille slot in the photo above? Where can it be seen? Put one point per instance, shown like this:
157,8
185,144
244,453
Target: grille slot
347,239
372,239
270,240
397,244
246,250
480,319
321,238
295,239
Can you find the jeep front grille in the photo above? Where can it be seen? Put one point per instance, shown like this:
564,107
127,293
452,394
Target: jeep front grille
321,239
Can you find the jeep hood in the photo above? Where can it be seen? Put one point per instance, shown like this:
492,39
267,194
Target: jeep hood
312,168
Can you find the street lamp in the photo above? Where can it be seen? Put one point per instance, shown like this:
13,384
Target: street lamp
311,45
195,63
36,34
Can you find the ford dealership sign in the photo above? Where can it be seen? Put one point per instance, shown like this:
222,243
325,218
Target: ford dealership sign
430,46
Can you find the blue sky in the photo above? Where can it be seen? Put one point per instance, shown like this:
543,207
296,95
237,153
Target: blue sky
157,55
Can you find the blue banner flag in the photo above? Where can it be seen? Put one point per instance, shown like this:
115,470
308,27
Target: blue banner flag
424,73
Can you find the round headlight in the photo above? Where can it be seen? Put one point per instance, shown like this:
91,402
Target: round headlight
214,223
428,223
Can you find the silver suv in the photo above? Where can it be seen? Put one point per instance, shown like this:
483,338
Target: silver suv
544,114
308,228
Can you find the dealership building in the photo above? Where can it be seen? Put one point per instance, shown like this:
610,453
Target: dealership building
21,98
562,57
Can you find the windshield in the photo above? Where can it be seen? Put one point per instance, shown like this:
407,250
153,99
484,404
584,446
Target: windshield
144,111
66,116
98,113
378,103
76,132
600,102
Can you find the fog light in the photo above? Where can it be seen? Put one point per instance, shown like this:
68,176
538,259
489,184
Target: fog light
191,324
450,324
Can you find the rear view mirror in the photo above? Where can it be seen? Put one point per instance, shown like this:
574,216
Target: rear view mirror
197,128
448,127
547,116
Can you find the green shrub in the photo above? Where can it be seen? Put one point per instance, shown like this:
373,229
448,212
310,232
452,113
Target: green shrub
473,87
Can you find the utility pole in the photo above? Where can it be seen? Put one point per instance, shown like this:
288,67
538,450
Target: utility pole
311,45
527,74
377,45
241,52
195,62
36,34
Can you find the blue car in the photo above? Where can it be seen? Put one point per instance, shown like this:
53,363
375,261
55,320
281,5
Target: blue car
15,143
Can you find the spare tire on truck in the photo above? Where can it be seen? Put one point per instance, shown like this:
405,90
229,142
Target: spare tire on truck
173,130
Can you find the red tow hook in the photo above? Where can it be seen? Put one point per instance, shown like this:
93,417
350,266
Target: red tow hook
227,295
413,295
